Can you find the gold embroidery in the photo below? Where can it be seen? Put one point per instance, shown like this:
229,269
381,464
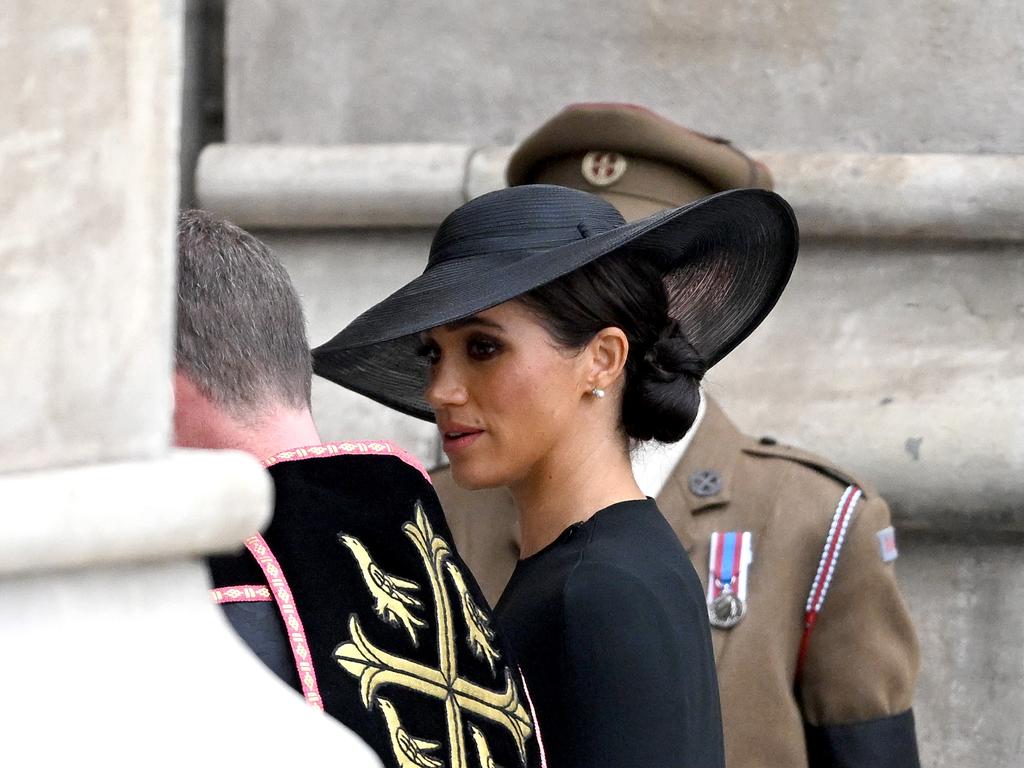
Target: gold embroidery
391,603
410,752
483,752
375,667
480,634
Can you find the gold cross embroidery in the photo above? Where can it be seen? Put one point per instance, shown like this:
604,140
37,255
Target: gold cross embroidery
375,667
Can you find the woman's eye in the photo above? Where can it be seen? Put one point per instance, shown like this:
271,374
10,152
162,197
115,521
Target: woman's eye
431,352
482,349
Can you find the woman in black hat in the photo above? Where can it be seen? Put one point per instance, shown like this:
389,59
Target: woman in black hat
546,336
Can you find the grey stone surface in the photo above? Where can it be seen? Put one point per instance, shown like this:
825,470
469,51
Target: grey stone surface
917,196
966,601
135,665
904,365
89,159
118,665
188,503
395,185
486,170
857,75
202,91
903,197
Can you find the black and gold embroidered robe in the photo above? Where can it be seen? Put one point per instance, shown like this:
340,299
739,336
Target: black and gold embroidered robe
404,648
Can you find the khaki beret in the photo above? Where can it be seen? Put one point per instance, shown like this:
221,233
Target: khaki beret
637,160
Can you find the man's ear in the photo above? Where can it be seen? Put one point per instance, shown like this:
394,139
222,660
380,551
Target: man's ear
607,351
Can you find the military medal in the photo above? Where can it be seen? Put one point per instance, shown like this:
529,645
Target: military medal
728,564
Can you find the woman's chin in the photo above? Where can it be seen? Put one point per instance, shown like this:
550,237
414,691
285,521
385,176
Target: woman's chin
473,478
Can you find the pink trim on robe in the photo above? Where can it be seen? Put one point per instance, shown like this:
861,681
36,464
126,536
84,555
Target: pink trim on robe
349,448
243,593
286,605
279,591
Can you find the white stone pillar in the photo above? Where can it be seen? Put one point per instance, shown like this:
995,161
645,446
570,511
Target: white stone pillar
112,651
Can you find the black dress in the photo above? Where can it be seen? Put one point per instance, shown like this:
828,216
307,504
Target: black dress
609,623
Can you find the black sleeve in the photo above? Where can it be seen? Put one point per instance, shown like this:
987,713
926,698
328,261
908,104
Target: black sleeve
641,685
258,624
886,742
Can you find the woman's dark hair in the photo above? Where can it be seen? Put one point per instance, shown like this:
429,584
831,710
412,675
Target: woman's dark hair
663,370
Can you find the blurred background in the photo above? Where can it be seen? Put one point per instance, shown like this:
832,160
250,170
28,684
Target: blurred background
343,131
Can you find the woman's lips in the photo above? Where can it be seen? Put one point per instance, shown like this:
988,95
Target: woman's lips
459,439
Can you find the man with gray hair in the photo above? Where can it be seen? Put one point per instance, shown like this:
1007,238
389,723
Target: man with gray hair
242,368
354,595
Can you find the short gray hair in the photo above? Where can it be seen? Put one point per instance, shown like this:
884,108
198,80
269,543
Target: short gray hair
241,333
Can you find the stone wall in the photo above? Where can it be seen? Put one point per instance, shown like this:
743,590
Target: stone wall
860,75
113,651
83,158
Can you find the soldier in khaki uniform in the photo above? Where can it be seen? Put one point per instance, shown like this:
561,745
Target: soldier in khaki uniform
816,655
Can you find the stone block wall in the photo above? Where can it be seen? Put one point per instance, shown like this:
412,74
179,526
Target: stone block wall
84,168
113,652
858,75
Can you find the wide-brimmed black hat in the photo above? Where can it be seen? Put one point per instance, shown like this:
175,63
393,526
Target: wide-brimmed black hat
725,258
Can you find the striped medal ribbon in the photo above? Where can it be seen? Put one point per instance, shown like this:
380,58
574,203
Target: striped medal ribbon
728,565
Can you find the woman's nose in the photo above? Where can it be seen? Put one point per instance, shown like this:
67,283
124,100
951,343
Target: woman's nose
445,387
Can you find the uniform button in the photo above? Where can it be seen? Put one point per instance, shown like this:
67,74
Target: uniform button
766,440
705,482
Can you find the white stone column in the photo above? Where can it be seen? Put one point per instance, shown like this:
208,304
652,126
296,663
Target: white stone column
112,651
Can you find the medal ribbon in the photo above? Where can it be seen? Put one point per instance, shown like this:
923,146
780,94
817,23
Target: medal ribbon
730,559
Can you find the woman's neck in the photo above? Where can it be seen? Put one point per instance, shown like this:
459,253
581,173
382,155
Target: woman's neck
568,487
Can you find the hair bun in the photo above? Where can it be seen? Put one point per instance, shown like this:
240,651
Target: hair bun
662,400
672,356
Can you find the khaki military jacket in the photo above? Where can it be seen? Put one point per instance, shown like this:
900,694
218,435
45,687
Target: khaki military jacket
851,704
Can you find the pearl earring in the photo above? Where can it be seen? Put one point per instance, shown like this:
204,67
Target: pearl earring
597,392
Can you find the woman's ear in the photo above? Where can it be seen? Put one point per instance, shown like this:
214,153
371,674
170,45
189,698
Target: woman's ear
607,351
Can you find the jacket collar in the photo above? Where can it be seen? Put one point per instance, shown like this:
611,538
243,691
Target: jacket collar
703,479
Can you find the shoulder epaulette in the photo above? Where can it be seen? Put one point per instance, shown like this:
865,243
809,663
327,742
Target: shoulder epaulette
769,447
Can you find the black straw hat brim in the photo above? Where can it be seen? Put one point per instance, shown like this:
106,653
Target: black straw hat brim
725,260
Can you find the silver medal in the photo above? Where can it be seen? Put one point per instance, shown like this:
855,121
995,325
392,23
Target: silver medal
726,610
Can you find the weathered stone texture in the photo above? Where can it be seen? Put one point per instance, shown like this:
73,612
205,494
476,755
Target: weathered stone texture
135,665
88,157
965,598
360,185
903,365
835,194
112,660
871,75
185,504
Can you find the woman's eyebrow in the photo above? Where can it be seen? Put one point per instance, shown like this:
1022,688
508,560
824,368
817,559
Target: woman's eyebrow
473,320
